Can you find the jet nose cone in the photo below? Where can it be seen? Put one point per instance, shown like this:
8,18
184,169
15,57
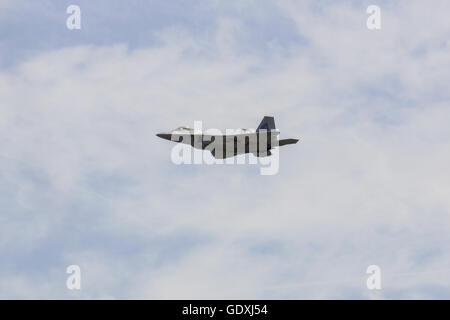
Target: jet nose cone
164,135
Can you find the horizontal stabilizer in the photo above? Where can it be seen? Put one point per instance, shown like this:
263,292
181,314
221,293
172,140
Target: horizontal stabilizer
283,142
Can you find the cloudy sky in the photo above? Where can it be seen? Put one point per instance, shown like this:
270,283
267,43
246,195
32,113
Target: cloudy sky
85,181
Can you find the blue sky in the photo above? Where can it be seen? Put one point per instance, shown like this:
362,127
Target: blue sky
31,28
85,181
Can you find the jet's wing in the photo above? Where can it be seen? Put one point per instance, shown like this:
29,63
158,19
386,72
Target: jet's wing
283,142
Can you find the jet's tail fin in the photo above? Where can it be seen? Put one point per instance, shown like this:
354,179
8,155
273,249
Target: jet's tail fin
267,123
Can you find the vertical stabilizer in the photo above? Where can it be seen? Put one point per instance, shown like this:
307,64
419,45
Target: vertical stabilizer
267,123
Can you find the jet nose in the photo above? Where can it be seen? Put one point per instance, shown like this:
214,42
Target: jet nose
166,136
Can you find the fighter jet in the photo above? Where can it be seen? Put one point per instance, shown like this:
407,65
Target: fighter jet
259,142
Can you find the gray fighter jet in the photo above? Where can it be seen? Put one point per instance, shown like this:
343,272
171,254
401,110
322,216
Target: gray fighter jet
241,141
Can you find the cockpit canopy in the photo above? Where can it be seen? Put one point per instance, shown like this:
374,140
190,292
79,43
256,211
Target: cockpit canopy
243,130
185,129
